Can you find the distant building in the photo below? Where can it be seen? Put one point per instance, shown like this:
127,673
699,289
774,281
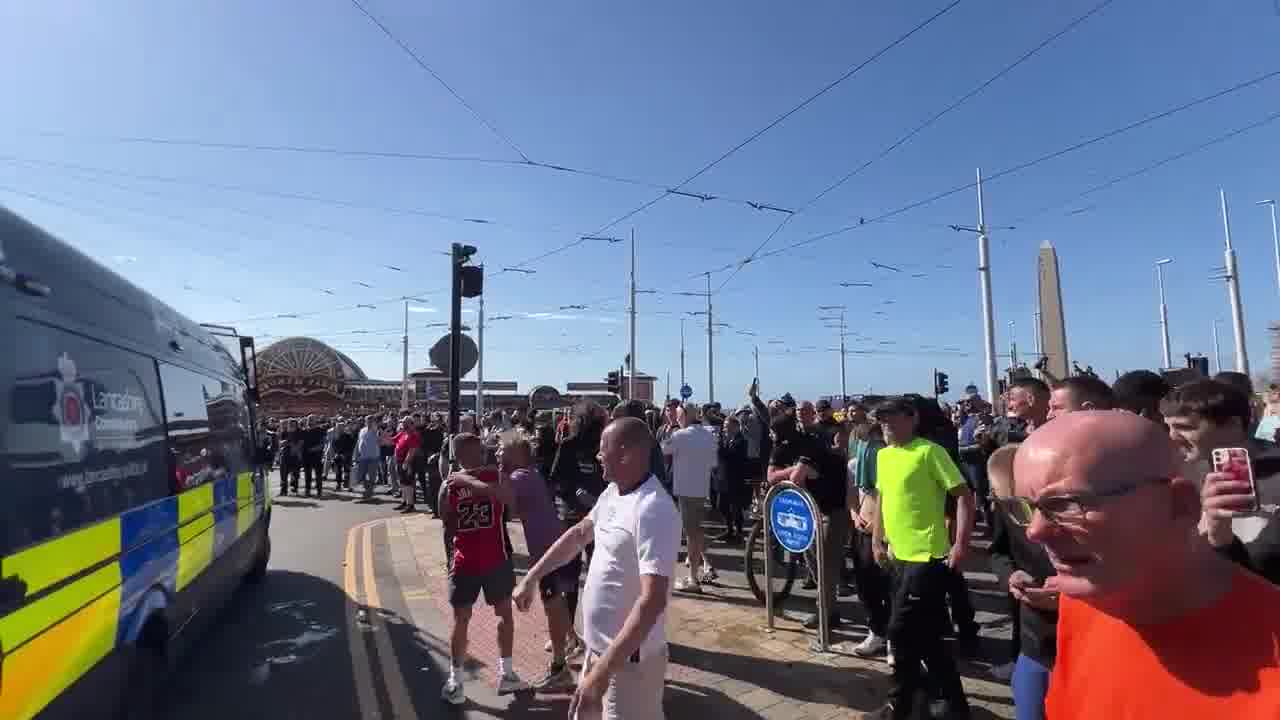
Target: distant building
1053,325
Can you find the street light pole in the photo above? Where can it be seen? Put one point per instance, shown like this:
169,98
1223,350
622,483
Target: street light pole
755,352
1217,354
711,364
1233,290
1164,313
404,377
1013,345
480,362
1275,235
631,379
984,277
681,352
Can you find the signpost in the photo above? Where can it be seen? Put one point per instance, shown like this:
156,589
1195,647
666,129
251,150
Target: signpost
686,392
791,517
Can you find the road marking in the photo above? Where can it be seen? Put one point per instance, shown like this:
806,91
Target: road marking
401,705
365,694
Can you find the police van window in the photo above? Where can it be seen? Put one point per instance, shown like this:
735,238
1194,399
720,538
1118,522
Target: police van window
208,434
85,439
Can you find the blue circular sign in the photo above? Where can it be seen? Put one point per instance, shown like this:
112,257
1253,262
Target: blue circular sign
792,520
686,392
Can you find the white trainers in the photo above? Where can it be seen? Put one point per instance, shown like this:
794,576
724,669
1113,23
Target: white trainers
871,646
689,585
453,693
1002,672
888,653
709,574
511,683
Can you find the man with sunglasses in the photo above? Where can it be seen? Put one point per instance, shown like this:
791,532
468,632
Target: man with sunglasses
914,478
1153,623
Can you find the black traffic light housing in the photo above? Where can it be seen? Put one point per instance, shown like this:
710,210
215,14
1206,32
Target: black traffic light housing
614,380
940,383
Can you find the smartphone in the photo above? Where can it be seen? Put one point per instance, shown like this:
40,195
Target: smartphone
1235,462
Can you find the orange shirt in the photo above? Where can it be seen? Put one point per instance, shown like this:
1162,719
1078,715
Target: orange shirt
1220,662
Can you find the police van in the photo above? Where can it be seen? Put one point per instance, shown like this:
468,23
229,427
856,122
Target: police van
129,506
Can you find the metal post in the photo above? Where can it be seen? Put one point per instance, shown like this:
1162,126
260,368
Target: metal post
455,341
1275,235
844,390
631,380
1013,345
1217,354
755,352
1036,334
984,278
824,612
768,563
1233,290
1164,313
480,363
711,363
404,378
682,383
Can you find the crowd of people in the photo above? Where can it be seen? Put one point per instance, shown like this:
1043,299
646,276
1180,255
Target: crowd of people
1140,579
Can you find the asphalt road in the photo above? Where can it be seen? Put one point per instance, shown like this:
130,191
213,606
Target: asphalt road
280,650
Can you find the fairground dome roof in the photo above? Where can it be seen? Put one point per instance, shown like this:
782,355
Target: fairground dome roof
305,357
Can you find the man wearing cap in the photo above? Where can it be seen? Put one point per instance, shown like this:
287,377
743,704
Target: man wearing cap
827,427
914,478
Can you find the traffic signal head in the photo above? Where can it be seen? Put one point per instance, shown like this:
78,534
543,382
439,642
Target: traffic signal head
940,383
614,380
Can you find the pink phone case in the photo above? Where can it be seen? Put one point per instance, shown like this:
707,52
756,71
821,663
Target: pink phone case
1235,461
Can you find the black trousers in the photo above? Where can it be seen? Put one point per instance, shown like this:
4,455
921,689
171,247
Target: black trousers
915,629
872,582
313,468
432,487
342,470
288,477
962,612
732,500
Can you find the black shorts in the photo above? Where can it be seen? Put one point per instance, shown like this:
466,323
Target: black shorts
563,579
497,585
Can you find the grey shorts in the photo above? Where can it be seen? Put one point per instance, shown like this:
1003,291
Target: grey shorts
497,585
693,510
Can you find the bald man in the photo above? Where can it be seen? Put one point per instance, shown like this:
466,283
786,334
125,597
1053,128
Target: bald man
1152,622
636,530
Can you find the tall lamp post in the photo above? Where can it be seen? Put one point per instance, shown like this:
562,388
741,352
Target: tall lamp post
1164,313
1275,235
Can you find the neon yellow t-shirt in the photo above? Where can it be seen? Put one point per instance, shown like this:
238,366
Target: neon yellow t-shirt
913,481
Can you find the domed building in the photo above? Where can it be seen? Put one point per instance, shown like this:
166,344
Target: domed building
301,376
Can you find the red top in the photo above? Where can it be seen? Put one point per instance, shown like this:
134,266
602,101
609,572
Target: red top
478,545
1222,661
406,441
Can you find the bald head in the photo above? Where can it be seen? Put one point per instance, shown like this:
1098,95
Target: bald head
625,447
1093,451
1121,516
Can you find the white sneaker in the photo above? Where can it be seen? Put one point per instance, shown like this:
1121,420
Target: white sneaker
511,683
888,653
689,585
453,693
1002,672
870,646
709,574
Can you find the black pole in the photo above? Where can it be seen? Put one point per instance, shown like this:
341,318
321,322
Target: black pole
455,341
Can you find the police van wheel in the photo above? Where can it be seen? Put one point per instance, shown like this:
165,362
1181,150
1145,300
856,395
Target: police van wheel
258,572
147,671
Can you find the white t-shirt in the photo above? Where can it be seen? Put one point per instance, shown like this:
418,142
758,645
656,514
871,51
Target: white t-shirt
635,534
693,456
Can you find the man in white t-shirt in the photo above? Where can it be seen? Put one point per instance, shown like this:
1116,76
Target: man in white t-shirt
636,531
693,453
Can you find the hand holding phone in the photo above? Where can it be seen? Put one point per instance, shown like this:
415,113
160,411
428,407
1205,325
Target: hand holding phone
1230,488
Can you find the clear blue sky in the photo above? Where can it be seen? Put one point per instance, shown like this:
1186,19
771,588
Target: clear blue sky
654,91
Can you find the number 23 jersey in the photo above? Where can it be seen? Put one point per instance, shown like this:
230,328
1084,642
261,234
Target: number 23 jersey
478,544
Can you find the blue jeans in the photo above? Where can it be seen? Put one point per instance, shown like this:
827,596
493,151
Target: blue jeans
1030,685
365,470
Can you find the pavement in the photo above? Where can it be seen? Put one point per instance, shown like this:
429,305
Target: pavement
353,622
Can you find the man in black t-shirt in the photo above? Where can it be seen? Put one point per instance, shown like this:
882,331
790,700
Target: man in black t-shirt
314,437
802,457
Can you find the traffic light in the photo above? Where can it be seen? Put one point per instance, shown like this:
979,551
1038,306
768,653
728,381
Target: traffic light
940,384
615,382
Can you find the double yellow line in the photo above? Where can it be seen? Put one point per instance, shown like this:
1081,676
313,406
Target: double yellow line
368,599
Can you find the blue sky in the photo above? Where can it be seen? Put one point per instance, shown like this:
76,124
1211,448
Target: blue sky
653,92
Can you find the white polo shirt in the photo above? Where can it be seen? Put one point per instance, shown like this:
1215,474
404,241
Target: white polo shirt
694,454
635,534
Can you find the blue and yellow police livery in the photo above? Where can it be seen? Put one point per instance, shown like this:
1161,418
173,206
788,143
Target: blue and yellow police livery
129,506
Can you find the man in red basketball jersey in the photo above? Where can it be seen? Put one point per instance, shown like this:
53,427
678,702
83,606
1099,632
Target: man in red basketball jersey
473,519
